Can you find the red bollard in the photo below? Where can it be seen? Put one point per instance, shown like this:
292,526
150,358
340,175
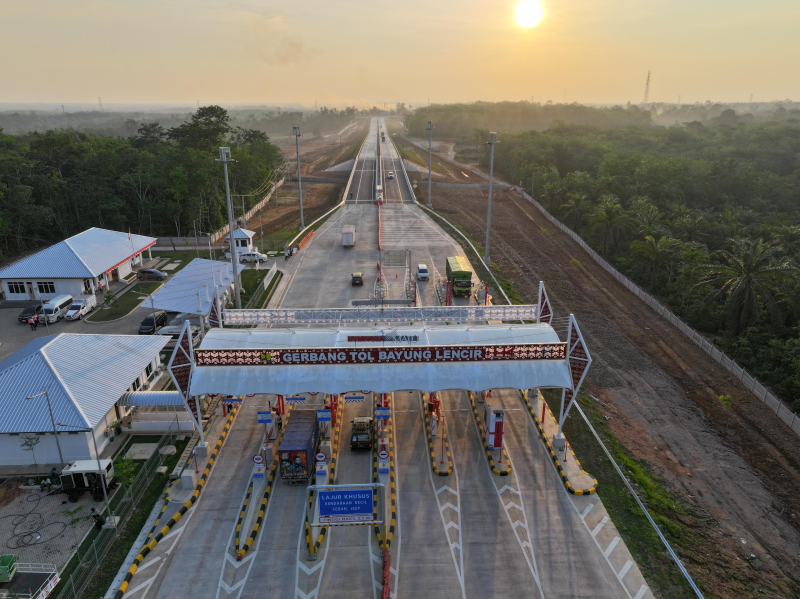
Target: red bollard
544,405
224,415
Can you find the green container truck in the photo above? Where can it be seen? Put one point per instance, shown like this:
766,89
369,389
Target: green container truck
459,274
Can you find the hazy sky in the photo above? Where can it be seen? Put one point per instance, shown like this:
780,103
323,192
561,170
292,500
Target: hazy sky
345,52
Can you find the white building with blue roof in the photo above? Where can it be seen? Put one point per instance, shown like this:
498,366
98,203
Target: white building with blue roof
76,266
86,377
243,240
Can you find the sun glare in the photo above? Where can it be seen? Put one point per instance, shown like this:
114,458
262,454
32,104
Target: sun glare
529,13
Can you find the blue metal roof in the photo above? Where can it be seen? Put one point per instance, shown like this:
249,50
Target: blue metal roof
180,293
84,376
152,398
241,234
82,256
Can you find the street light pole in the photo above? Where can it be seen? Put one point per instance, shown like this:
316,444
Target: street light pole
101,473
430,158
52,420
297,136
225,158
492,141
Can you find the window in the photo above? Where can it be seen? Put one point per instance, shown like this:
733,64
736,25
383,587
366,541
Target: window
148,370
136,385
87,285
16,287
46,286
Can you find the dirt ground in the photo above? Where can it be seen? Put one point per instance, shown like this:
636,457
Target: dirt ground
314,150
735,470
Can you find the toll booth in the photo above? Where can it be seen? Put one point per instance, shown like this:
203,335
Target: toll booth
493,423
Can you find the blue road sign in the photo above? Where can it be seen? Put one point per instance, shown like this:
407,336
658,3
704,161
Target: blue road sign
258,475
232,400
324,415
346,505
383,413
265,417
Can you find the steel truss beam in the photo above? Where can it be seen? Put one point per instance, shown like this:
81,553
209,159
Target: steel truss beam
378,314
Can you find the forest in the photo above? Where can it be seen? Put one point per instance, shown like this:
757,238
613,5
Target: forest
162,181
704,216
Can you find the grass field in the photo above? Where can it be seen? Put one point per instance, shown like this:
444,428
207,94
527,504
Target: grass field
185,256
125,303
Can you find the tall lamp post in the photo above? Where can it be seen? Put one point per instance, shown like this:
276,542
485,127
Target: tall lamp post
297,136
492,141
52,420
100,471
225,158
429,129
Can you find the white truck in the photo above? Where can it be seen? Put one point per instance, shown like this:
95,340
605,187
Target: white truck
348,235
81,306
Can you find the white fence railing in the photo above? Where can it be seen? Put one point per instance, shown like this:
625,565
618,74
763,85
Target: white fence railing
749,381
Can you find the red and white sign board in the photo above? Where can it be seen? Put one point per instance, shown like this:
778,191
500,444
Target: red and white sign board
258,459
382,355
384,455
321,457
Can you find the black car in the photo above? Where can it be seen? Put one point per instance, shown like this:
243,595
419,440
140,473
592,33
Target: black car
361,434
151,274
146,328
358,278
28,312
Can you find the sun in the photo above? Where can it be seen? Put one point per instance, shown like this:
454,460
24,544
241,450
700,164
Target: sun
529,13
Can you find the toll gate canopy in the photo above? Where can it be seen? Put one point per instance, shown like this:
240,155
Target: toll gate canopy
285,361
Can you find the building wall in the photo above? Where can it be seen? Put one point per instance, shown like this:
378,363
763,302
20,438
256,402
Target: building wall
73,287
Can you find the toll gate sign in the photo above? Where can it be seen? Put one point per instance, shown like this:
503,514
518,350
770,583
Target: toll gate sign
346,505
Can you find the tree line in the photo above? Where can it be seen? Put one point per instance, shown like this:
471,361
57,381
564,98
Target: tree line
163,181
707,218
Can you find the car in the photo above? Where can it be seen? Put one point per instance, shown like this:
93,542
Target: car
146,328
390,175
362,433
422,272
81,306
252,257
175,331
151,274
30,311
358,278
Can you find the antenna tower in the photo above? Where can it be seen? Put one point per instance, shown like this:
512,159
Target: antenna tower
647,89
100,102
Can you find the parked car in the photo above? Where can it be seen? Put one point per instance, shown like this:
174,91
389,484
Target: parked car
390,175
175,331
146,328
30,311
55,309
151,274
362,432
81,307
358,278
252,257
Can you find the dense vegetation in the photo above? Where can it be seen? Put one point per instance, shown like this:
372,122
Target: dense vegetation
707,217
161,182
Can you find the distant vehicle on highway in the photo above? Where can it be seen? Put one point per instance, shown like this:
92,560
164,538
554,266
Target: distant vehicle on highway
348,235
459,274
29,311
358,278
252,257
422,272
151,274
361,433
390,175
146,328
81,306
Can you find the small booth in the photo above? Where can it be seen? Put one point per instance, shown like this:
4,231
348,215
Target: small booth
493,422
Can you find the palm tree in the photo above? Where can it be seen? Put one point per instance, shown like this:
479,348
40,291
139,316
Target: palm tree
576,208
691,227
609,220
788,240
750,276
649,219
652,254
551,194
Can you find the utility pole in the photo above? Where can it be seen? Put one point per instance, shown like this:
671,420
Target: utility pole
430,159
225,157
492,141
647,89
244,216
297,136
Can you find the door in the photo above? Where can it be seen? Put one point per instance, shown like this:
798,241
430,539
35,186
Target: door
31,294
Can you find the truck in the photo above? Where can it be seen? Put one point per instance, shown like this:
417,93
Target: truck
81,306
459,275
298,446
81,476
348,235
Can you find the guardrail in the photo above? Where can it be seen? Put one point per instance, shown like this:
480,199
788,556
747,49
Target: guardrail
750,382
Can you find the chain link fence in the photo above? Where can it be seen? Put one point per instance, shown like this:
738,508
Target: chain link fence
749,381
92,557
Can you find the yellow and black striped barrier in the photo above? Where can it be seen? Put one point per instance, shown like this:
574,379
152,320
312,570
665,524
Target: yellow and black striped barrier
561,472
273,470
488,451
242,512
150,545
426,419
392,482
332,471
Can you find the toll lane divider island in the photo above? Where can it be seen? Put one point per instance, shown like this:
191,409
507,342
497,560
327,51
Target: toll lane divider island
486,448
180,513
426,419
392,479
559,467
332,471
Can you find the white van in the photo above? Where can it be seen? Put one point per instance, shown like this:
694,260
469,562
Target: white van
81,306
55,309
422,272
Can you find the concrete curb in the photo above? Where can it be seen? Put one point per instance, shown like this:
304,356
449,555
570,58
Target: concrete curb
332,472
427,422
180,513
242,513
392,481
561,473
488,451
